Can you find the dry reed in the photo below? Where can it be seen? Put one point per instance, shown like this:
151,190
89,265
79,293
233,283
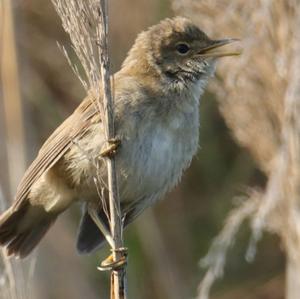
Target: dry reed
258,95
86,22
14,273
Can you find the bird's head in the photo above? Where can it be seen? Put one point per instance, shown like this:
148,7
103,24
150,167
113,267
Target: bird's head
177,50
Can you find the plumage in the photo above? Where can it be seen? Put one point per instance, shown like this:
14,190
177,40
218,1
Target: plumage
156,98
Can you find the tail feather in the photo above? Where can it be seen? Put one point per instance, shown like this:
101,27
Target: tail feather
89,237
15,244
22,229
24,243
8,218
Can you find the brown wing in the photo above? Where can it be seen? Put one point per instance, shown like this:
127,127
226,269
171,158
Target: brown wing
57,145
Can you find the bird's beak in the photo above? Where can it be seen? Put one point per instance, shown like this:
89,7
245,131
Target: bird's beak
214,50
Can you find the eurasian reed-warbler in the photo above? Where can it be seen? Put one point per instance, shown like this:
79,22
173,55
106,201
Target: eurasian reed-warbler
156,98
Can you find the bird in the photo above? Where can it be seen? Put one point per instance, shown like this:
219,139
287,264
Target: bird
156,109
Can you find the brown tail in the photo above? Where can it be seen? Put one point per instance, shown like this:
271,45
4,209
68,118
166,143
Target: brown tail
22,229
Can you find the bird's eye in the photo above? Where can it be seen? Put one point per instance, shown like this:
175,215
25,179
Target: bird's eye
182,48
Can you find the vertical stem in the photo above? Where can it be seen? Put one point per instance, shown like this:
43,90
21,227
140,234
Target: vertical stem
118,280
292,279
12,104
12,134
292,140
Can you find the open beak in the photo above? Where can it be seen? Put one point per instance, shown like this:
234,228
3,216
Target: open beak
214,49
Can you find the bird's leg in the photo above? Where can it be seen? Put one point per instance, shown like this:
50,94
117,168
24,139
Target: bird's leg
111,149
102,227
108,264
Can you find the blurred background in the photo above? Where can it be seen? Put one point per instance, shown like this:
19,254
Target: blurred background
38,90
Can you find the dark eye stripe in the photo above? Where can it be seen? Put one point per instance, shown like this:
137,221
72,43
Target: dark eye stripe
182,48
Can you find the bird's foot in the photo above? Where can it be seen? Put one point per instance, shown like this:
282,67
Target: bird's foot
111,149
110,265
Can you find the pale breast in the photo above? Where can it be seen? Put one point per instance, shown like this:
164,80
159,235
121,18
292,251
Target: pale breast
153,159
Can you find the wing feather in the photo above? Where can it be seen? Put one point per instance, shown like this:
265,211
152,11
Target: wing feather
75,126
